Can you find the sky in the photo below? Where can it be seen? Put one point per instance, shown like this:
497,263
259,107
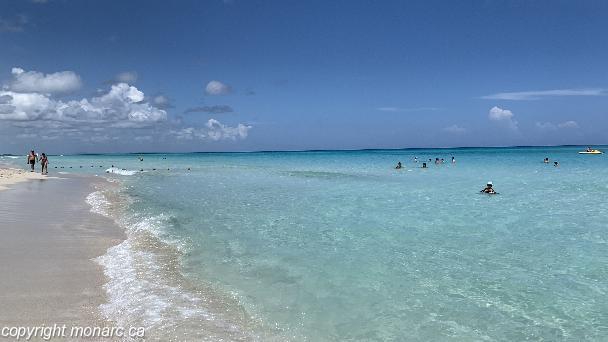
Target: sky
247,75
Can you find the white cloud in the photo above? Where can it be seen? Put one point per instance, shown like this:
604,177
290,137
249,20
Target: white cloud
568,124
121,106
414,109
546,126
16,24
217,88
37,82
497,114
536,95
126,77
160,100
455,129
503,115
213,130
549,126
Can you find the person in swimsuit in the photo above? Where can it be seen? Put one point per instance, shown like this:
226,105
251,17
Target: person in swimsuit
44,164
32,158
398,165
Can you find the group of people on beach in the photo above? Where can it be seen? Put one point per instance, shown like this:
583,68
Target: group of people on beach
33,158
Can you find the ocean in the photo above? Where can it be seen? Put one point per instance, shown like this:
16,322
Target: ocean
340,245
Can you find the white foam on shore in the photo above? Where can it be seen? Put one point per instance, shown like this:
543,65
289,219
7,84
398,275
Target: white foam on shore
122,172
99,203
141,290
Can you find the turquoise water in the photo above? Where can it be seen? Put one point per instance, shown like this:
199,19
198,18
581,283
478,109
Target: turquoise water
329,246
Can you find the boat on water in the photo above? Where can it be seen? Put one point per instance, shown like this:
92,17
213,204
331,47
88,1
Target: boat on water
590,151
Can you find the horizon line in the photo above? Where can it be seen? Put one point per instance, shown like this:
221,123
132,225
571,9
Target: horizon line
313,150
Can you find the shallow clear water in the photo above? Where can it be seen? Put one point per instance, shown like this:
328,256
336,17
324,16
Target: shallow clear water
341,246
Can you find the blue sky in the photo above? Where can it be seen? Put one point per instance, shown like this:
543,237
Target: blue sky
120,76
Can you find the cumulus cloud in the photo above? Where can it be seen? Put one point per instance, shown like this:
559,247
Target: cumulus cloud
126,77
34,81
503,115
539,94
218,109
213,130
121,106
217,88
455,129
118,114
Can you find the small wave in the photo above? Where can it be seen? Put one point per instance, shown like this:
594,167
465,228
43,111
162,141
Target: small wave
145,287
123,172
99,203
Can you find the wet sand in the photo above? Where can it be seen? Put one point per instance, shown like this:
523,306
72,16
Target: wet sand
48,238
10,176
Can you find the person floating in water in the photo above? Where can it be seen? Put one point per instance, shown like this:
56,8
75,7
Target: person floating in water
424,165
398,165
415,159
453,160
488,189
546,161
556,164
44,164
32,158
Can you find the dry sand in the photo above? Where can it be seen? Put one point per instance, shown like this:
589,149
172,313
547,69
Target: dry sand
48,238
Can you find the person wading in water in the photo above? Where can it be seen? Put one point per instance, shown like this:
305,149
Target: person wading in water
32,158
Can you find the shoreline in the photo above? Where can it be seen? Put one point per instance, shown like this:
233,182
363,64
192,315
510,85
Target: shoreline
50,239
10,176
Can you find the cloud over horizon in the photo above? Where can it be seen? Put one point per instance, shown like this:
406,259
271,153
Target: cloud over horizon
539,94
217,109
213,130
28,104
34,81
503,115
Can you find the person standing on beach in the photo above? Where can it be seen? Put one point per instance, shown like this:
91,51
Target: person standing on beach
32,158
44,164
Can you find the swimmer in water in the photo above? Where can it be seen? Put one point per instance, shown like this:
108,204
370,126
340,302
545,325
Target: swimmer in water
546,161
488,189
415,159
424,165
453,160
398,165
556,164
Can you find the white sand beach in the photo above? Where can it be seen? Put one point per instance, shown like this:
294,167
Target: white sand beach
10,176
49,238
